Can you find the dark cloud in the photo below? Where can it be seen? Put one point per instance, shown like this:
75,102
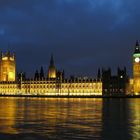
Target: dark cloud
82,34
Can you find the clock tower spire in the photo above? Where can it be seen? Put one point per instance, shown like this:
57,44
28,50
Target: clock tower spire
136,69
137,49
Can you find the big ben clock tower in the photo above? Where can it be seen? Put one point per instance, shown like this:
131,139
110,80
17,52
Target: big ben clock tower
136,69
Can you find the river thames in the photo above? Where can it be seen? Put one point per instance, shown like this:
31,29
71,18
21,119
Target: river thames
69,119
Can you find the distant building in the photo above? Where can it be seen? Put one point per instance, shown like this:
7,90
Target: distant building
114,84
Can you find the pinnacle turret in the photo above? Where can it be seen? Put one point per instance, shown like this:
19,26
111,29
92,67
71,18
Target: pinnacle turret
52,61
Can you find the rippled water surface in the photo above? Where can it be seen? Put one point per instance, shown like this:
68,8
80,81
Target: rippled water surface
69,119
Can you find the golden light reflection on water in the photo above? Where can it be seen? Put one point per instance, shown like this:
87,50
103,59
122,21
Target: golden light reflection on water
135,118
67,118
7,115
45,116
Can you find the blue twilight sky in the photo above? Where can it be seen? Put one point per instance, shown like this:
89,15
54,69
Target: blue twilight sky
82,34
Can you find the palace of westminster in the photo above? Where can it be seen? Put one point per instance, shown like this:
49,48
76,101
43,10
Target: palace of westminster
55,83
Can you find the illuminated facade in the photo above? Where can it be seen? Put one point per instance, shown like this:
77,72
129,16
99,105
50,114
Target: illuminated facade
136,70
54,85
7,67
54,82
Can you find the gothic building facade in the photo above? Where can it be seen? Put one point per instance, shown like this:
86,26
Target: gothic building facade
115,84
54,83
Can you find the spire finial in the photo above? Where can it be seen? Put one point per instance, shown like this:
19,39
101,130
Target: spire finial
137,43
52,60
137,49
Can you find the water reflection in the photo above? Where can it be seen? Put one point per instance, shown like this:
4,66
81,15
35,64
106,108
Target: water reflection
70,118
116,119
7,115
52,117
135,118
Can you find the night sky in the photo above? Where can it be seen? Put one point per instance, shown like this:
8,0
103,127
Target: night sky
82,34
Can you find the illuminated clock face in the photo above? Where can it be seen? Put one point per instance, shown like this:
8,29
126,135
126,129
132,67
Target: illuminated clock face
137,60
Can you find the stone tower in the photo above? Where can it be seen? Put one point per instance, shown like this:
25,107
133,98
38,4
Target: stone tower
136,69
7,67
